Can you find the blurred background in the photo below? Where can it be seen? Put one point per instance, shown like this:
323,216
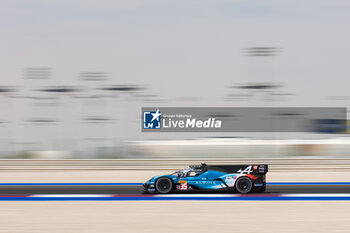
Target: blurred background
75,74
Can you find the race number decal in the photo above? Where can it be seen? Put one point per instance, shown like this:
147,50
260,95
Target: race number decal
248,170
182,185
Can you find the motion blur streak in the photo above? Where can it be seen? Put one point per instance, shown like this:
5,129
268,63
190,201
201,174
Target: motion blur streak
178,197
74,78
132,217
135,184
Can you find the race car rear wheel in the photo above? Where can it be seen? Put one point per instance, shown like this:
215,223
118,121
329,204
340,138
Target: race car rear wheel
244,185
164,185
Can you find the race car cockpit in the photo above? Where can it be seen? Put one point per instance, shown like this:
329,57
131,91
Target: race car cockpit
189,172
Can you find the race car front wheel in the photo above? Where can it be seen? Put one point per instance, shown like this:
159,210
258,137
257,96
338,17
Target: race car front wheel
244,185
164,185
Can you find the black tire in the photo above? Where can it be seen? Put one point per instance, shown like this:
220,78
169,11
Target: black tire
244,185
164,185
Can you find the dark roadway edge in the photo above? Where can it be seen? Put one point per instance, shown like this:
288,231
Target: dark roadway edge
136,189
129,183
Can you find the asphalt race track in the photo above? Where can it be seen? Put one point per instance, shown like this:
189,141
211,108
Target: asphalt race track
132,189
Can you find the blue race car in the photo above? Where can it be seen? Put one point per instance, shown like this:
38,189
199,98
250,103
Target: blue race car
242,178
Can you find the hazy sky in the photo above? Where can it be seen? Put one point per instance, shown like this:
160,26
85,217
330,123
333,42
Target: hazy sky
182,48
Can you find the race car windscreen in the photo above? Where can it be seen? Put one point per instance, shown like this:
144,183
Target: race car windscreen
187,173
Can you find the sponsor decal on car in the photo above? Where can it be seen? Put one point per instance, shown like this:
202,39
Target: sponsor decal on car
230,181
248,170
252,177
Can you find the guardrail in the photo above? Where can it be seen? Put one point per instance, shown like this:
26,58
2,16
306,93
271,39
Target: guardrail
172,164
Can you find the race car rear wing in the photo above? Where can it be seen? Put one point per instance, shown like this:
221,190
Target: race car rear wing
243,169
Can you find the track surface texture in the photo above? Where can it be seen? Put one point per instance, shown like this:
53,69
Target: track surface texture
136,189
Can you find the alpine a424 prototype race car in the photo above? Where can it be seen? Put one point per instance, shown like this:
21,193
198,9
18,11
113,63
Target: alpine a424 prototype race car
242,178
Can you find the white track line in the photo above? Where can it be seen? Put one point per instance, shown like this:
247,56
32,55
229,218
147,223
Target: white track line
192,195
71,195
317,195
197,195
